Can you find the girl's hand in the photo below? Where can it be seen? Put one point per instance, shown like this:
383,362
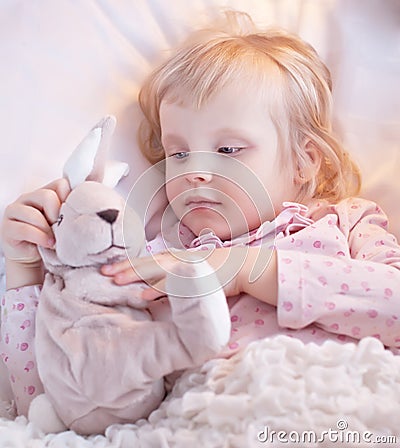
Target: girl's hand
239,269
27,224
154,269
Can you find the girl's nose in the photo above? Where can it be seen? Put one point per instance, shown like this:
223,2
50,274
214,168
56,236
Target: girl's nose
199,177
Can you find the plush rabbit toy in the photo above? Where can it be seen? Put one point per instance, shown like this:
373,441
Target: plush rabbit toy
101,357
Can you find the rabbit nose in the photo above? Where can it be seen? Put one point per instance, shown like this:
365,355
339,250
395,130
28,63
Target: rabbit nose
109,215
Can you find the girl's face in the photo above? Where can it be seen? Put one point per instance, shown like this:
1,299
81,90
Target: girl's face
222,170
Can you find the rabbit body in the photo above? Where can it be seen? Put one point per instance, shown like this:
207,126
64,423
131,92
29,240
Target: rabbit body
101,355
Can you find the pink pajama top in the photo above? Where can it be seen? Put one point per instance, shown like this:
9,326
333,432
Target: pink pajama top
338,279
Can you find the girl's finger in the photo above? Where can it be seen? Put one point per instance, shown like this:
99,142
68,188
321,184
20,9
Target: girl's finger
151,269
141,268
29,215
46,201
154,292
24,233
125,277
115,268
61,187
149,275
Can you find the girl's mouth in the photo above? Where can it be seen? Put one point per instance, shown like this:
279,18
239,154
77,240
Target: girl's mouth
200,202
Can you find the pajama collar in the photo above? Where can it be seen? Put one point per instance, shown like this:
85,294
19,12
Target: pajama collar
291,219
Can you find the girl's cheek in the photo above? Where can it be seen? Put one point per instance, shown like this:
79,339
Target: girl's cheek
171,191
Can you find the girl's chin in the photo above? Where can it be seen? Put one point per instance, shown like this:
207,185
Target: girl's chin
201,224
222,234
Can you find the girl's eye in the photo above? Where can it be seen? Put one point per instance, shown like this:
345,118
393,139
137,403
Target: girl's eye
59,220
229,149
179,155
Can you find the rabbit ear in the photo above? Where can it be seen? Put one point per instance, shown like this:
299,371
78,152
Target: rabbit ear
89,160
114,171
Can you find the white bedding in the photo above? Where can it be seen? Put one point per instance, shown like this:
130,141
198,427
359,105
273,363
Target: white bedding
329,393
65,64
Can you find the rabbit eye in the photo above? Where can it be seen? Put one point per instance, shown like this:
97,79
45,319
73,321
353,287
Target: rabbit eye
59,220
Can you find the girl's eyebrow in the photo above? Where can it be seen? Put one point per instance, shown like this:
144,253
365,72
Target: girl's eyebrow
233,132
228,130
221,133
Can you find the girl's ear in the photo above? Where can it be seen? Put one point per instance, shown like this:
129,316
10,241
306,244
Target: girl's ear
312,163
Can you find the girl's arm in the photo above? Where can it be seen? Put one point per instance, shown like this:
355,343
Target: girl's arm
23,274
351,297
18,311
346,278
27,223
240,269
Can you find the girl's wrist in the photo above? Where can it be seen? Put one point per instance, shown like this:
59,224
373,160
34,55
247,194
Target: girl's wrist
259,275
23,274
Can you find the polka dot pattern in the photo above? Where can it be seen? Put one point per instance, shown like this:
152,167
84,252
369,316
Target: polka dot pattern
16,347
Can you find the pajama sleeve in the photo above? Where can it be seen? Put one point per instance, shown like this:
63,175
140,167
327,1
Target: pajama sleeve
18,311
345,277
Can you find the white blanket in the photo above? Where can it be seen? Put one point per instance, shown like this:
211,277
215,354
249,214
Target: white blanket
278,392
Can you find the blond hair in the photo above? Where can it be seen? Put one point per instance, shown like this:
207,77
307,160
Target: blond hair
302,106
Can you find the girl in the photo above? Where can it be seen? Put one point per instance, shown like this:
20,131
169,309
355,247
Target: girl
242,121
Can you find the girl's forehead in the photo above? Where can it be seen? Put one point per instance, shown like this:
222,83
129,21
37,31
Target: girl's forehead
230,112
252,79
243,91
